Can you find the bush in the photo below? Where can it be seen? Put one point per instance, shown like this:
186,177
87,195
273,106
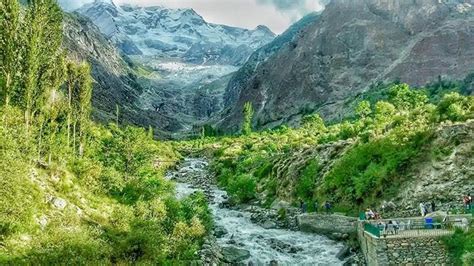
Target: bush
307,182
368,169
243,188
461,247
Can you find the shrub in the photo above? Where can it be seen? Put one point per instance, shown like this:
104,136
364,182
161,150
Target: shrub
242,187
307,181
461,247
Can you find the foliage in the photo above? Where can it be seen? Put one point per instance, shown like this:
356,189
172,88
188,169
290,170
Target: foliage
307,183
72,191
461,247
368,169
242,187
387,136
248,115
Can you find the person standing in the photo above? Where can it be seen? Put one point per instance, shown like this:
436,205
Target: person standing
327,206
422,209
467,201
315,206
433,206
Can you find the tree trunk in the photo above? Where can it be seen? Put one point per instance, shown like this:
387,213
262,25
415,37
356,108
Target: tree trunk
40,140
74,137
69,115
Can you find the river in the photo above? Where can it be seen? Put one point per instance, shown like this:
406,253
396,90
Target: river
265,246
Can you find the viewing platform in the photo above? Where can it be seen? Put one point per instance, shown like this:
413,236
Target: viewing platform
408,241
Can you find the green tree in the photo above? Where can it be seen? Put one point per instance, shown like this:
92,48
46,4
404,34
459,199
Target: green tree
10,47
363,110
405,98
43,52
314,122
85,106
248,116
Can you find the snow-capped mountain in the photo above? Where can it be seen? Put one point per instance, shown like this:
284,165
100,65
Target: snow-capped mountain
174,33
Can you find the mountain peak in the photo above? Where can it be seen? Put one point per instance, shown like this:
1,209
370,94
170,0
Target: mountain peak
176,33
264,29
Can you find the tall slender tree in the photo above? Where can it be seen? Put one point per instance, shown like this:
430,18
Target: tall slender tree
248,116
84,103
10,45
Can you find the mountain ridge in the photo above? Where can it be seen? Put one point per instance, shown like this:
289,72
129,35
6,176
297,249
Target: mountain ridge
355,44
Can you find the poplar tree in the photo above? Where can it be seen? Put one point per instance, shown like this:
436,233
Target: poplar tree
248,115
10,45
71,79
85,95
43,51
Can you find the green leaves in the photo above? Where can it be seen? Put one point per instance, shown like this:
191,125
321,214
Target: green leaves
242,187
248,115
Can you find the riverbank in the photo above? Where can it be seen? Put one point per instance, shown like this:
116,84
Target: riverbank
239,235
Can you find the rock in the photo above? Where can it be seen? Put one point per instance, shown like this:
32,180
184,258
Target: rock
25,238
42,221
59,203
234,255
344,253
269,225
220,232
279,245
280,204
294,250
402,57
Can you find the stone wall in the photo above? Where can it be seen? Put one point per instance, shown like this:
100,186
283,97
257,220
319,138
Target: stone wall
423,250
334,226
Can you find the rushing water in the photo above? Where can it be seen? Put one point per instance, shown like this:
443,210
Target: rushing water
265,245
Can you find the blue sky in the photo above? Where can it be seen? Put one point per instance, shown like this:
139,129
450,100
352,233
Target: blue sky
276,14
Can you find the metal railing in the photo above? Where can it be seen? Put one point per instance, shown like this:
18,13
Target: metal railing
415,227
370,228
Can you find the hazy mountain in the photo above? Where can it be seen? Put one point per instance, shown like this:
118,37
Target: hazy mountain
174,33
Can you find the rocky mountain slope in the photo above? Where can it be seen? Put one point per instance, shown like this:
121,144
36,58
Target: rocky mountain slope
352,45
174,33
174,65
115,82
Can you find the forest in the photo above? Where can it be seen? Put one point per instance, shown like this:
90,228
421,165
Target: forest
72,188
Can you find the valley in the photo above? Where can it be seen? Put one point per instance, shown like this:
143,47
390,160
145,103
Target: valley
138,134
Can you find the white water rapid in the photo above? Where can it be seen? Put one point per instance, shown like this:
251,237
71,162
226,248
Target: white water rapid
266,246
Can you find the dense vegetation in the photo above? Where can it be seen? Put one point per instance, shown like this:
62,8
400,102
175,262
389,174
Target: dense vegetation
72,190
382,139
368,156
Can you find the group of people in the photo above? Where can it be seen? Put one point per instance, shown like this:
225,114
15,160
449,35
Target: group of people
372,215
391,227
426,208
327,206
467,200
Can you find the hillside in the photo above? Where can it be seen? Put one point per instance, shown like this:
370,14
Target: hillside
366,105
353,45
158,60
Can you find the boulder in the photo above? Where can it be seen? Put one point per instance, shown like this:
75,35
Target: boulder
220,232
234,255
59,203
344,253
269,225
280,204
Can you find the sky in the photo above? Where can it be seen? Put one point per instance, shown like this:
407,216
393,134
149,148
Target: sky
278,15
